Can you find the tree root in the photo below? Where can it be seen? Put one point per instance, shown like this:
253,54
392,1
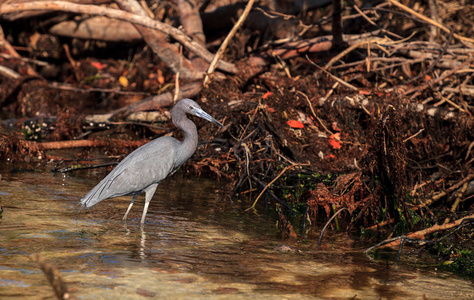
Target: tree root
419,236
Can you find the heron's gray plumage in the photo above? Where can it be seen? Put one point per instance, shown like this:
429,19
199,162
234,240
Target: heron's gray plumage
143,169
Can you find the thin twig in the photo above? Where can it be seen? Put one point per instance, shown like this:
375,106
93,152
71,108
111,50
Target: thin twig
28,60
446,74
331,91
67,87
384,242
275,179
9,72
409,138
435,228
374,41
78,167
74,64
364,15
350,86
11,51
449,101
444,193
469,148
226,41
314,113
428,20
272,194
458,200
429,202
327,224
54,278
176,85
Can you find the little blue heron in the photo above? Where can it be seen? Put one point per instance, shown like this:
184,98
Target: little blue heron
143,169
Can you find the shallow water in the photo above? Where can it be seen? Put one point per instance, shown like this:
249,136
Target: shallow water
195,245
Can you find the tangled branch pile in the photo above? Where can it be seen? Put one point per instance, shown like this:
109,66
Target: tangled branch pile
369,110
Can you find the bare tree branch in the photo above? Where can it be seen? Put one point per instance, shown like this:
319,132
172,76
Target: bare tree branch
192,26
167,52
121,15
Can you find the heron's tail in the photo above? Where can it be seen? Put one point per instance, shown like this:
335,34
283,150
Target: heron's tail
87,201
105,189
95,195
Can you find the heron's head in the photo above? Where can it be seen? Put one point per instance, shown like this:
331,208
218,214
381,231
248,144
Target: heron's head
191,107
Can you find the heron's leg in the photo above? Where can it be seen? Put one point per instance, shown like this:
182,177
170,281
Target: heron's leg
129,208
149,192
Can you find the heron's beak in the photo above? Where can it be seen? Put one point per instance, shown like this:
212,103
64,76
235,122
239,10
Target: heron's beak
200,113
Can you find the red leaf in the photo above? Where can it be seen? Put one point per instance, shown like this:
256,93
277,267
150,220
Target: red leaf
267,94
98,65
295,124
334,142
363,92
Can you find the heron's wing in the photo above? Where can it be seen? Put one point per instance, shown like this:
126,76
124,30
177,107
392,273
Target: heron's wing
145,166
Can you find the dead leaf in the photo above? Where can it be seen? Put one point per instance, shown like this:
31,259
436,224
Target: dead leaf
161,78
267,94
334,141
98,65
123,81
295,124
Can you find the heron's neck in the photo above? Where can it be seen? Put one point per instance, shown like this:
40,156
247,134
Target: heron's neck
189,144
190,133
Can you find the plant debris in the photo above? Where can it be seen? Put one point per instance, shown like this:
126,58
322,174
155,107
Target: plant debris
367,108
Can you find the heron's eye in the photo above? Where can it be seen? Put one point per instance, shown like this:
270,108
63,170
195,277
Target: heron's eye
191,107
